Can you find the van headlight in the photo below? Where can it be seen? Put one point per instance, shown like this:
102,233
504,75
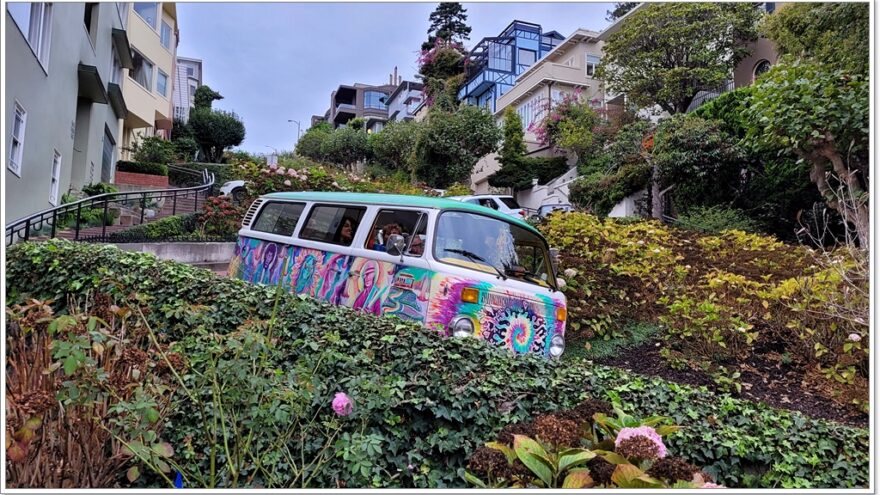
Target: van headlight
557,346
462,326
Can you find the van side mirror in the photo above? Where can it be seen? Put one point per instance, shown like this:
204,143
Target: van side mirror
395,244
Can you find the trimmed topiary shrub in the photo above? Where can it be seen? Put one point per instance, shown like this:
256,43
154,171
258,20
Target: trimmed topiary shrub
175,226
421,404
142,168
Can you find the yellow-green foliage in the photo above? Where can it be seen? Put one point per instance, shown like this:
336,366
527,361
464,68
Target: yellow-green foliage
716,294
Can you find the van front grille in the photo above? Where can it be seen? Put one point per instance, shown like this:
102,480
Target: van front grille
252,211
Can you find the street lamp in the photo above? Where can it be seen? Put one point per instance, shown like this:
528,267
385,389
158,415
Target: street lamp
298,131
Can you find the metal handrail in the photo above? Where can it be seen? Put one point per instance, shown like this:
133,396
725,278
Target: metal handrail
22,227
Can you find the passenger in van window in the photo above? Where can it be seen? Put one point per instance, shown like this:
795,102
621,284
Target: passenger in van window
418,246
346,231
380,243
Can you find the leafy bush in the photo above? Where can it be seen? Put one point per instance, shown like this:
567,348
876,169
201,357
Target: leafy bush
186,148
221,218
599,192
215,131
310,144
422,404
152,149
175,226
520,172
345,146
715,219
392,147
458,189
99,188
142,168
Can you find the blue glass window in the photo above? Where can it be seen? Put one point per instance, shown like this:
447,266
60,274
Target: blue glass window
374,99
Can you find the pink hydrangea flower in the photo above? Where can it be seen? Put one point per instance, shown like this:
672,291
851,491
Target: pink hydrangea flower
854,337
291,171
273,166
342,404
642,431
711,485
279,171
287,183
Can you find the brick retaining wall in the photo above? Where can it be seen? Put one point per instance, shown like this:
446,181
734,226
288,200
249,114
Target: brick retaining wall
133,179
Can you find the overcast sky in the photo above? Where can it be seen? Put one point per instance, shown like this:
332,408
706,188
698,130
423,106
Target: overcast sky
278,61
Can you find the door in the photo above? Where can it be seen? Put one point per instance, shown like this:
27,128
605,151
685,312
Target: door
107,157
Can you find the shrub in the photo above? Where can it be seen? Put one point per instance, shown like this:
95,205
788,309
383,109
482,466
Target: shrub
519,173
186,148
715,219
309,145
345,146
392,147
221,218
152,149
419,400
599,192
175,226
458,189
99,188
142,168
215,131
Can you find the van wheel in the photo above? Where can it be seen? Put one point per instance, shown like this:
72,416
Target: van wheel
238,195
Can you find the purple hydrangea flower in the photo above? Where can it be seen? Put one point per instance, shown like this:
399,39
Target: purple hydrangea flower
342,404
642,431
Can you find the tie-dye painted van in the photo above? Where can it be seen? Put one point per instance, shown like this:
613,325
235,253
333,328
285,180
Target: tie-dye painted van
457,268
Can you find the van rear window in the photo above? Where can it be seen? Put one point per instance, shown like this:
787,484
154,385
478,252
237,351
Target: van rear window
333,224
278,218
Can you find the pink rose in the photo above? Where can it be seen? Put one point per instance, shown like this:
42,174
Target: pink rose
342,404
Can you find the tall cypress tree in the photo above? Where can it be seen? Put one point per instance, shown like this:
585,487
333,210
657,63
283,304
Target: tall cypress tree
448,22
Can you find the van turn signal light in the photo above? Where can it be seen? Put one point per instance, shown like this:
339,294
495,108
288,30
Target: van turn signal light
470,295
560,314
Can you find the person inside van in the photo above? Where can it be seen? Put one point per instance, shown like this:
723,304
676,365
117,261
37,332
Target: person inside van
345,234
383,235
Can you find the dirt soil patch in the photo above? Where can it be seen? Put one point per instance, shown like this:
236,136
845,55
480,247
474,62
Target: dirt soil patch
764,378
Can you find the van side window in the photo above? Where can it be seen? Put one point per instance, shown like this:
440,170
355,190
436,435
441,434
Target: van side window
279,218
388,222
488,203
332,224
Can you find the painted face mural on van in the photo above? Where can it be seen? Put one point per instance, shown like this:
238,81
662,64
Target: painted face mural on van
523,323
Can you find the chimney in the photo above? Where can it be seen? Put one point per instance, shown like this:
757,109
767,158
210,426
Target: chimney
390,79
396,80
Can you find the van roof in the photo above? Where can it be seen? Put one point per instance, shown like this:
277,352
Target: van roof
399,200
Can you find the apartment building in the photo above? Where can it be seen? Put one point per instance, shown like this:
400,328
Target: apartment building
358,100
569,68
64,102
495,62
187,78
405,100
148,89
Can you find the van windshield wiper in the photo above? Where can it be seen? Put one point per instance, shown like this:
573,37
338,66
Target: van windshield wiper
475,257
527,275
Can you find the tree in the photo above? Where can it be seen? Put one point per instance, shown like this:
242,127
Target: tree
513,146
309,145
393,145
821,115
836,34
620,10
345,146
665,53
215,131
448,23
569,126
449,144
204,97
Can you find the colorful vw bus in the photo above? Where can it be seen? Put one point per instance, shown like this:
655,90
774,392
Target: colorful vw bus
457,268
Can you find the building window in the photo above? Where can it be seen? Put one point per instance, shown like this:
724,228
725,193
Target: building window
88,19
760,68
192,93
148,12
162,84
35,22
592,65
116,69
501,57
190,72
16,140
374,99
525,58
165,36
56,179
143,70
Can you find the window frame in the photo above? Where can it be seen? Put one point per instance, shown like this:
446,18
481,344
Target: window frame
162,27
315,206
155,24
590,67
159,75
253,225
39,31
149,86
17,110
421,220
55,178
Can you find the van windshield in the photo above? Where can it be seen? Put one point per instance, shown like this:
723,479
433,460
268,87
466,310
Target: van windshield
493,246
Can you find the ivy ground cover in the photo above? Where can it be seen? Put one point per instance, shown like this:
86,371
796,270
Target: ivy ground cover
257,372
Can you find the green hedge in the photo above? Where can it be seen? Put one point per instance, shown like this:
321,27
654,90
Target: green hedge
142,168
519,175
423,404
164,228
